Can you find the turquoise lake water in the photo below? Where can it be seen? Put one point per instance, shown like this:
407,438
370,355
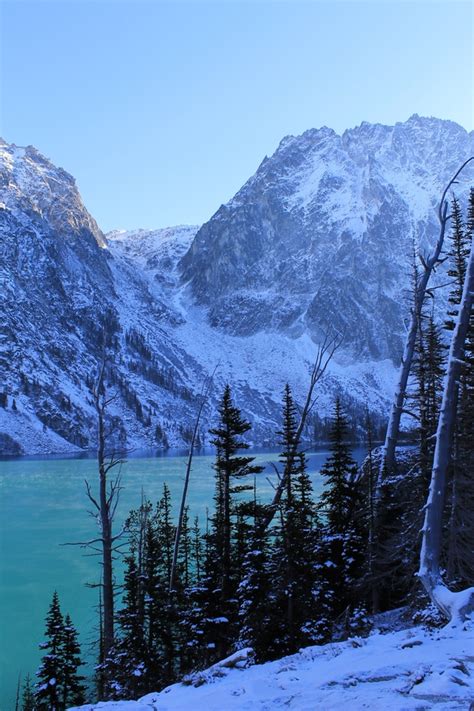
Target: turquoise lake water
43,506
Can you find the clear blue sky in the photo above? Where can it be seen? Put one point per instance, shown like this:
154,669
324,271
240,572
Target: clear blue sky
162,110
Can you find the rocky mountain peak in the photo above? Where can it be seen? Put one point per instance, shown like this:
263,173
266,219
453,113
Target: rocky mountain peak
322,233
31,185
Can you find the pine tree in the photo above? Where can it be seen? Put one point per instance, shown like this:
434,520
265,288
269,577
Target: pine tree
73,688
50,687
28,702
458,254
428,371
294,547
339,471
166,614
231,469
259,618
340,555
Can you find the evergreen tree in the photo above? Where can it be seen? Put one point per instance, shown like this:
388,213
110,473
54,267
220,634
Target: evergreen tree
145,653
59,683
339,471
340,555
28,702
73,688
458,254
126,666
294,546
259,618
166,610
49,689
231,470
428,371
190,620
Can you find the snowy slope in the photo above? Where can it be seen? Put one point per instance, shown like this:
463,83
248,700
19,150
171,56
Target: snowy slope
318,239
408,669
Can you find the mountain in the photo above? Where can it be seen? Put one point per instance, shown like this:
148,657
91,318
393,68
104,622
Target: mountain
317,241
321,236
64,297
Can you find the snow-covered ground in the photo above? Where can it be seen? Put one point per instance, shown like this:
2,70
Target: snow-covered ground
409,669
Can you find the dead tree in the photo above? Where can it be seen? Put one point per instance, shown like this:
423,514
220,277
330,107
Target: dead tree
454,605
324,355
429,265
204,397
105,506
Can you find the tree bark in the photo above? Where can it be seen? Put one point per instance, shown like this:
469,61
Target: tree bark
106,530
106,526
105,505
454,605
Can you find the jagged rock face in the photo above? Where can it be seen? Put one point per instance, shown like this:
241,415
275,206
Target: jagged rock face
56,290
32,186
63,299
321,236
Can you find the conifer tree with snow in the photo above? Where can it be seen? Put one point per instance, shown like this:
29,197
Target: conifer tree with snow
49,687
231,474
293,554
73,686
144,654
458,254
59,683
259,617
340,550
126,663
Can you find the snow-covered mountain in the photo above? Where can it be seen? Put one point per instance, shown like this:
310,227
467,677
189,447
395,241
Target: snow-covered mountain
318,239
321,236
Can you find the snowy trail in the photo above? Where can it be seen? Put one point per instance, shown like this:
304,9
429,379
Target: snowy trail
409,669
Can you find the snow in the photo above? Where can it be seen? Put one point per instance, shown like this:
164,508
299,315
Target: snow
409,669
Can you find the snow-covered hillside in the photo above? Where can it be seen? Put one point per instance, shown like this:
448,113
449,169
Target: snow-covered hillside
318,239
409,669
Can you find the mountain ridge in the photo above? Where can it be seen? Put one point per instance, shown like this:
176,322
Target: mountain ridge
317,240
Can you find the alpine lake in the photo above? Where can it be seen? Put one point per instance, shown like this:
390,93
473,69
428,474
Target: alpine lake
44,508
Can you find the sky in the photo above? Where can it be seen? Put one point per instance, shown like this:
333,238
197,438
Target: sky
162,110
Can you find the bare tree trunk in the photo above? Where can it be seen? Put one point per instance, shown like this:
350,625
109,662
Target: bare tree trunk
454,605
106,531
179,527
393,428
105,505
